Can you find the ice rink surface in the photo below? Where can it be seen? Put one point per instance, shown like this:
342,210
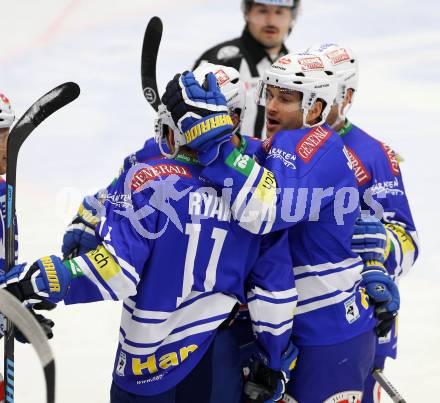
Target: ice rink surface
97,43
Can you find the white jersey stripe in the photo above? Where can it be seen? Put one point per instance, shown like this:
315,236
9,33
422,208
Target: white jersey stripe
326,266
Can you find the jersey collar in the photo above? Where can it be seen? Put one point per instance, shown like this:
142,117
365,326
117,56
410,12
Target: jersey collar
346,129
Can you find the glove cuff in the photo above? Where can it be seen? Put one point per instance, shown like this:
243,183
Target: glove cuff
373,265
57,277
207,129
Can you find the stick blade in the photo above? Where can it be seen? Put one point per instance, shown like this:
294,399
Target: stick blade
150,49
44,107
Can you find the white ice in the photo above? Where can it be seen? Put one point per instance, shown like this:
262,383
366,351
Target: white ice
97,43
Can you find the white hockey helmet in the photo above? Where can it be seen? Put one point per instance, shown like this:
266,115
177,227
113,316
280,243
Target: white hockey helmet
306,73
7,114
345,67
228,79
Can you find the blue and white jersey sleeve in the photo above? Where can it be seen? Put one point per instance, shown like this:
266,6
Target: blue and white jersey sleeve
381,184
272,296
277,188
113,270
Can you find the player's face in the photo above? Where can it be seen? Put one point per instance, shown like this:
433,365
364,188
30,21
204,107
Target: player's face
269,25
4,133
283,110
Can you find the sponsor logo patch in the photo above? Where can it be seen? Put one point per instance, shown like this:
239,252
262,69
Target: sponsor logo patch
121,363
349,396
153,363
285,60
145,175
286,158
392,159
222,77
361,173
338,56
240,162
387,188
351,310
311,142
266,188
103,262
311,63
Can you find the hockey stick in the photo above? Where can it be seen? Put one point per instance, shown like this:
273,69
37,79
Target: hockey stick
39,111
387,386
29,326
150,49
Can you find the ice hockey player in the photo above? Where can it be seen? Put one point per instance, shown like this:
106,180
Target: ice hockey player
175,303
268,23
80,235
7,117
378,176
299,180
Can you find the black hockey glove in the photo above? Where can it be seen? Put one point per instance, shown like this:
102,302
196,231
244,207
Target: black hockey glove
45,323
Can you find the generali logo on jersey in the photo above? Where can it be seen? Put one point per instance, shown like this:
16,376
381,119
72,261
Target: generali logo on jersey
311,142
311,63
360,172
145,175
394,164
222,77
338,56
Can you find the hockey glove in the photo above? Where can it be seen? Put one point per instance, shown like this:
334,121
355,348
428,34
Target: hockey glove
370,240
45,323
46,279
266,385
384,294
79,237
200,114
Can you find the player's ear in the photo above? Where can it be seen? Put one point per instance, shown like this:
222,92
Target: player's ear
348,97
314,112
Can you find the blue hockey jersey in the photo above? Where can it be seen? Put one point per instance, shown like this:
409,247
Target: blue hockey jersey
172,252
302,180
380,180
377,171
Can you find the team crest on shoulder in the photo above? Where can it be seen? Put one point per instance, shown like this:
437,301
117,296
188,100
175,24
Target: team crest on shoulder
350,396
